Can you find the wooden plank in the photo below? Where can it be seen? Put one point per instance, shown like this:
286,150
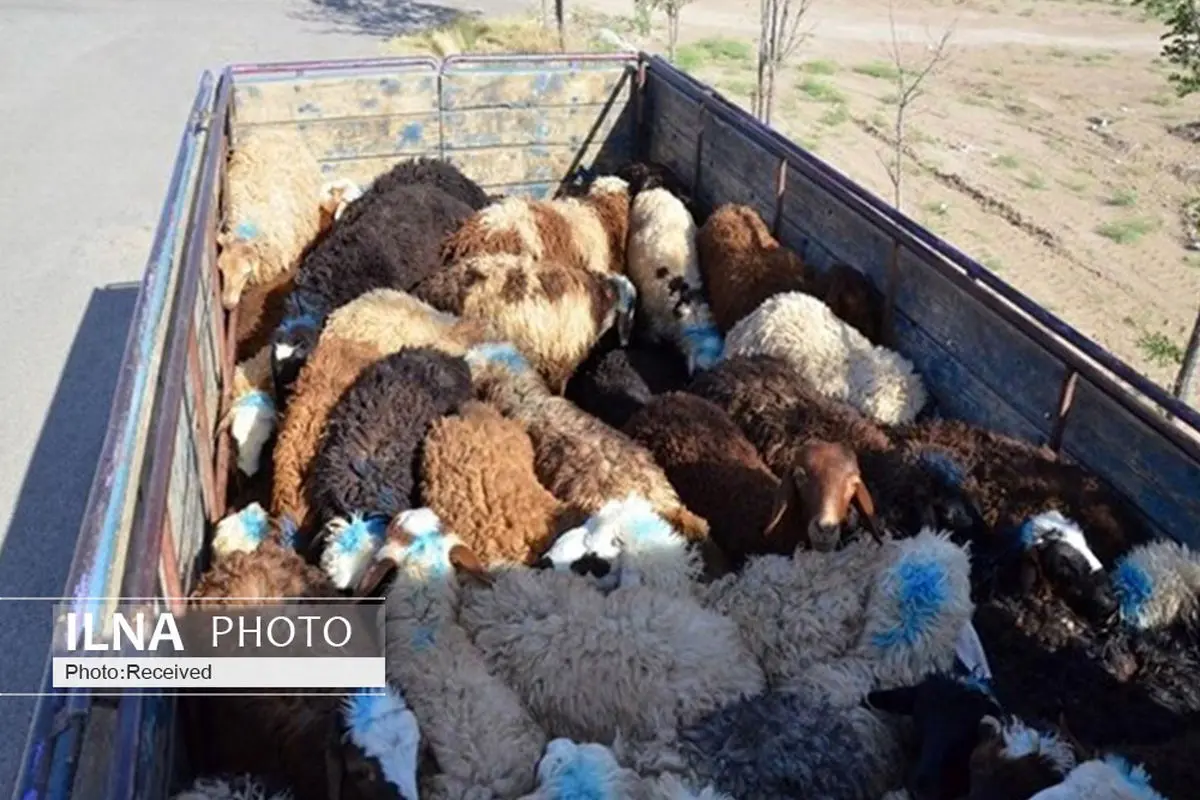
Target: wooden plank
814,254
490,166
573,126
1003,358
364,136
364,170
957,392
1154,474
735,170
672,119
284,99
537,87
812,211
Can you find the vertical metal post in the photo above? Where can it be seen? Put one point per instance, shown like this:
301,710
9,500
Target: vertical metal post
1185,383
780,188
1066,398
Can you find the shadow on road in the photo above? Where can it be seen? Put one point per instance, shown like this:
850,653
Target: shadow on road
40,542
382,18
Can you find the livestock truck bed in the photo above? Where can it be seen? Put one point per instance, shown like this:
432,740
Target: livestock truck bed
521,125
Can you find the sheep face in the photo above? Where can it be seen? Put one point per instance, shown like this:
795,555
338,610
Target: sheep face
1057,552
236,263
622,313
1013,761
291,345
947,713
828,489
415,540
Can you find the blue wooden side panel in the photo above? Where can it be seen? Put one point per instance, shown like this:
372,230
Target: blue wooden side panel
977,365
520,128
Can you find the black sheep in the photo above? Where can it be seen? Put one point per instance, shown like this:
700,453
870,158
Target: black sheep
368,457
394,243
614,382
418,172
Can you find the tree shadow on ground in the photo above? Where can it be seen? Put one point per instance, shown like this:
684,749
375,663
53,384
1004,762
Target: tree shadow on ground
381,18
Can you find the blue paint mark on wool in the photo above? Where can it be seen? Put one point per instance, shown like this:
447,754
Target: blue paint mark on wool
1134,588
705,343
921,596
500,353
289,532
254,522
580,780
1135,777
423,638
648,526
255,399
356,534
363,707
943,466
245,230
1028,533
302,321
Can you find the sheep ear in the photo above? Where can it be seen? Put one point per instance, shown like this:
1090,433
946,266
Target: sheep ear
463,558
989,728
866,505
894,701
784,496
377,573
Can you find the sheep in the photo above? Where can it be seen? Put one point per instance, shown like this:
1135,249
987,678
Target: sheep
1109,778
336,197
833,358
699,448
626,543
366,460
1013,480
553,313
767,398
582,461
657,661
779,744
481,737
1158,586
242,531
420,171
259,312
588,232
477,474
837,625
242,787
570,770
272,209
394,244
853,299
662,263
251,416
376,324
1014,760
742,264
1171,763
614,382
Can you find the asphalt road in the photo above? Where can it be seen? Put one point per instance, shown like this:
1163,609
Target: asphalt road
95,95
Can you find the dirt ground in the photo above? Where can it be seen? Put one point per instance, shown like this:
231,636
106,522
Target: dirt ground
1040,145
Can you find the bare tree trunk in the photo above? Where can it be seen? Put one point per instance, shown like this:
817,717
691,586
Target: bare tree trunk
560,18
898,162
769,105
1185,382
545,13
672,33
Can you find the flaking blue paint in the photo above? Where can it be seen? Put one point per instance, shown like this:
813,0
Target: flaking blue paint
579,780
411,135
245,230
922,594
1134,588
389,86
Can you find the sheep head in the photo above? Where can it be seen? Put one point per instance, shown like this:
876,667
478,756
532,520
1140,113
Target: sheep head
1013,760
335,196
623,308
416,541
824,493
241,532
1057,555
237,263
291,345
380,725
568,769
947,712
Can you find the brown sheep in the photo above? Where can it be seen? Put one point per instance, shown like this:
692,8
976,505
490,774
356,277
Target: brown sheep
477,475
357,335
700,448
553,313
853,299
260,311
742,264
272,209
587,232
581,460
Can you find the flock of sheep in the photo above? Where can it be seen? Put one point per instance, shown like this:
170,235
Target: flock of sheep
655,516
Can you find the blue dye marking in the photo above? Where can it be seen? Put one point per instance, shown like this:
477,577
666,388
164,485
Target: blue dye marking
921,597
411,133
705,343
361,532
255,399
304,321
945,468
289,531
364,707
1134,588
1135,777
390,86
500,353
245,230
579,780
423,638
1028,534
541,83
254,522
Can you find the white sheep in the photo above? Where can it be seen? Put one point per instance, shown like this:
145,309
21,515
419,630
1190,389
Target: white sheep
381,725
481,736
1110,778
350,547
836,625
835,360
656,661
571,771
663,265
1158,584
243,531
251,417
